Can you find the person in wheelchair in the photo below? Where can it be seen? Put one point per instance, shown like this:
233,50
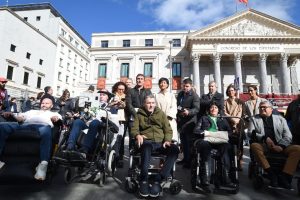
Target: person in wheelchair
270,133
39,120
213,123
152,132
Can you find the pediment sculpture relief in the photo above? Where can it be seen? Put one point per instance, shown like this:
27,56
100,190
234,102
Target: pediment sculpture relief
248,28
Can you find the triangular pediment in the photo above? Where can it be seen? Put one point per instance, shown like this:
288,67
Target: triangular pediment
249,23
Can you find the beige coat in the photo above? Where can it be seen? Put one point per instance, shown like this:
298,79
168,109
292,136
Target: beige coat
168,104
234,107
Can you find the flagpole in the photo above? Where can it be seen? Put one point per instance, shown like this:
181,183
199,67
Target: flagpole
235,6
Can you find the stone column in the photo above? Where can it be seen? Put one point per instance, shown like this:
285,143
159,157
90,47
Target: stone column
238,70
263,73
196,72
217,70
285,78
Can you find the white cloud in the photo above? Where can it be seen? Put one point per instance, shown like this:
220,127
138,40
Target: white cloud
194,14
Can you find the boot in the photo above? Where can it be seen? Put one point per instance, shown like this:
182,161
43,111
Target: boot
204,173
227,180
285,181
273,177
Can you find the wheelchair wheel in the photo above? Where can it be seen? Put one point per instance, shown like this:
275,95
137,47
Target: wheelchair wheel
131,186
68,175
175,187
111,163
258,182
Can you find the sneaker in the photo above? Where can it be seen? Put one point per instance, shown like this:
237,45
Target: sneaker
41,171
1,164
144,189
155,190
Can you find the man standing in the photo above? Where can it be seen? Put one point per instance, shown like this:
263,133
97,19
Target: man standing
212,95
293,118
152,132
273,135
188,106
38,120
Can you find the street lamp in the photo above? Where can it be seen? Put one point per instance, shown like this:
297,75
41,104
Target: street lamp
170,64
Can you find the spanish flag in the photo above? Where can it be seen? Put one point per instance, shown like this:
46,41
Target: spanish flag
244,2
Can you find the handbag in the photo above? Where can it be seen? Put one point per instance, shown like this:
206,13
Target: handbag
217,137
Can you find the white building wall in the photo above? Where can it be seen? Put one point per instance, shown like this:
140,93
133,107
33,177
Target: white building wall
14,30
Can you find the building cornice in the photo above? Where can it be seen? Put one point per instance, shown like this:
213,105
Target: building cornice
126,48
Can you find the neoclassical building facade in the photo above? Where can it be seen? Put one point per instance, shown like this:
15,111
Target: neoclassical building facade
249,47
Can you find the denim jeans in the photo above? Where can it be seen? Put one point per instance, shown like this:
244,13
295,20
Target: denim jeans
89,138
45,132
147,148
77,126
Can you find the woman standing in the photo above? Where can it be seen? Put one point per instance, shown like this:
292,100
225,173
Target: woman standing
234,107
166,101
253,103
118,102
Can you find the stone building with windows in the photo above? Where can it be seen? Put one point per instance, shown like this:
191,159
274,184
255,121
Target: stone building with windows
249,47
48,51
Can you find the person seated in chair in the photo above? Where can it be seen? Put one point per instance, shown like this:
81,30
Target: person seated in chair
272,134
212,123
152,132
37,120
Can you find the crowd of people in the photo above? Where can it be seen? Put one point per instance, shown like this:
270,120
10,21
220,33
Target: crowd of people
160,122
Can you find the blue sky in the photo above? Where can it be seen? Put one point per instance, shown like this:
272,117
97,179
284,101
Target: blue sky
94,16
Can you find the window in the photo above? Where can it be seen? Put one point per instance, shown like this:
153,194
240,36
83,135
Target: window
176,43
26,19
12,48
148,42
28,55
76,44
68,66
75,68
10,72
39,82
41,62
62,48
69,53
126,43
67,79
85,77
70,39
102,70
176,69
59,76
80,74
38,18
73,82
104,43
25,79
148,69
63,32
125,70
60,62
58,90
75,59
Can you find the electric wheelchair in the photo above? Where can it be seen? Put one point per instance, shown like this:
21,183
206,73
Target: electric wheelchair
276,160
93,167
216,169
170,184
